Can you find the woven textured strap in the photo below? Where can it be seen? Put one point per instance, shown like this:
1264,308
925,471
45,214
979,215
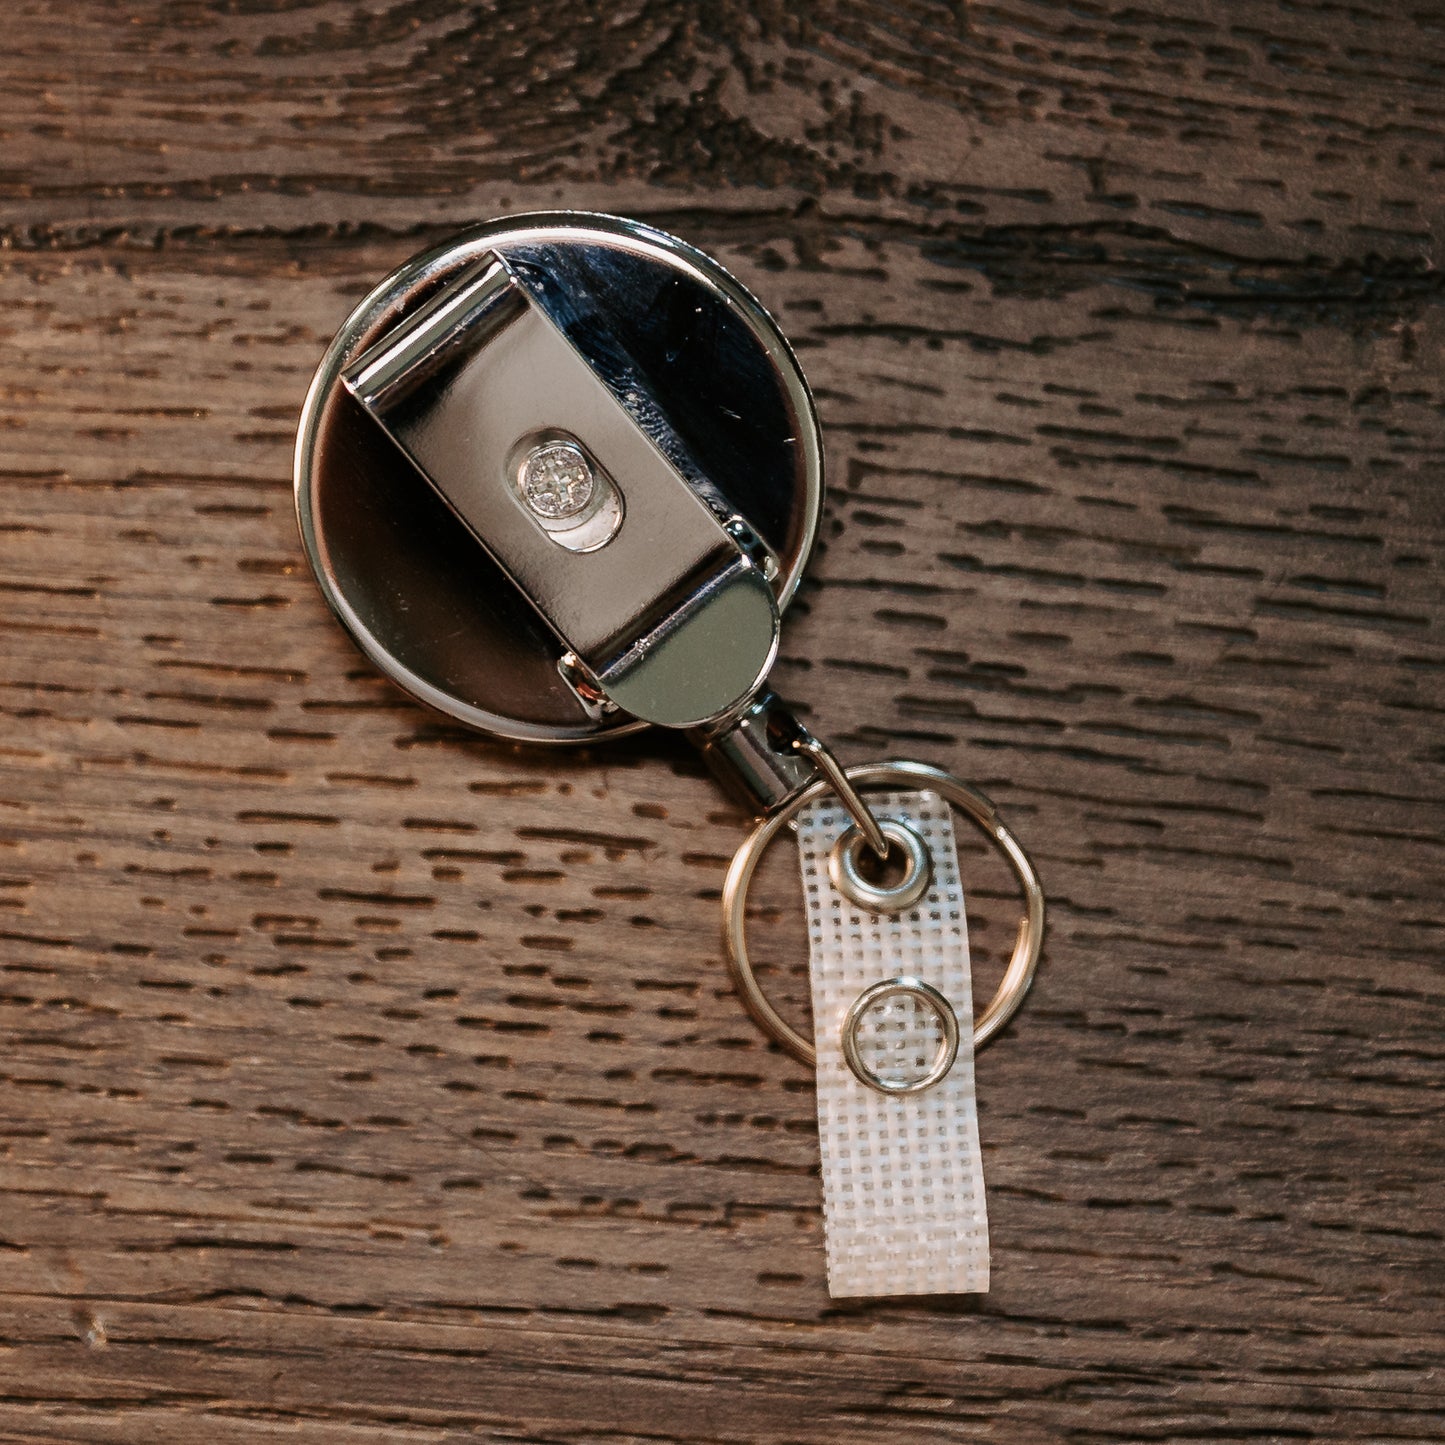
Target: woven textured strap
903,1199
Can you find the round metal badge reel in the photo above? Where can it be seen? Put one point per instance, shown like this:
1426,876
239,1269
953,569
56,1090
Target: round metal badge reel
433,610
1022,964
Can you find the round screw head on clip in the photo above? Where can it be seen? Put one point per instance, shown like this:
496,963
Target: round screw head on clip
558,481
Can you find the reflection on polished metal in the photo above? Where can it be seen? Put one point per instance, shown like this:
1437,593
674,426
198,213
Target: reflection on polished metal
671,618
943,1056
696,380
879,897
1022,965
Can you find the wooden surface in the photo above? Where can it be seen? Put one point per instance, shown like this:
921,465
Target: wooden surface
365,1081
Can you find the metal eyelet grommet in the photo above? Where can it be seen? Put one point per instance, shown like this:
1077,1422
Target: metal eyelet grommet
944,1055
879,897
1022,964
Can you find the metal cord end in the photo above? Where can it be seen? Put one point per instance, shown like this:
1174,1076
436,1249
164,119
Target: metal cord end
765,756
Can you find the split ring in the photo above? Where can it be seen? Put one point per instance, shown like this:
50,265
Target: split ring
1021,967
944,1055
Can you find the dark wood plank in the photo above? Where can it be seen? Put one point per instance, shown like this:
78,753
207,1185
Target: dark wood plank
366,1080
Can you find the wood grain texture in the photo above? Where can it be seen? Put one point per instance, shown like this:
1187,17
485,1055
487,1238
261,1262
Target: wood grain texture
362,1080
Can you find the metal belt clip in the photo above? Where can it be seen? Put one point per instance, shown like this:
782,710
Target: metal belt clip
579,488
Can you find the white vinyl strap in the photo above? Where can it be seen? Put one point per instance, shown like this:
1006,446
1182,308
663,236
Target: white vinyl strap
903,1203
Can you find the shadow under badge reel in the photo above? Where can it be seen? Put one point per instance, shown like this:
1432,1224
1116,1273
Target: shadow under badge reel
559,477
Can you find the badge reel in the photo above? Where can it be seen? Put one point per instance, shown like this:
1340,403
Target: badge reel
559,478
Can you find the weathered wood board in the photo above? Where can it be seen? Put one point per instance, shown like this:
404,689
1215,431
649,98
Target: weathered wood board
365,1080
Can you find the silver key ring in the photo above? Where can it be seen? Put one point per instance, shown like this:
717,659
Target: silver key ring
969,801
